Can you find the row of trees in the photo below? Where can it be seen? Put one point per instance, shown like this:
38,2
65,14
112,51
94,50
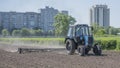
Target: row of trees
60,30
63,21
26,32
101,31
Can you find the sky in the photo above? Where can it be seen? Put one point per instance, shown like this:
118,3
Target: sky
79,9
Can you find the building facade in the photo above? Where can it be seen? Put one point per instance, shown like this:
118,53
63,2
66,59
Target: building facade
100,15
47,18
16,20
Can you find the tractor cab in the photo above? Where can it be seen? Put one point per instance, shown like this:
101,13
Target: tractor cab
81,33
82,30
79,30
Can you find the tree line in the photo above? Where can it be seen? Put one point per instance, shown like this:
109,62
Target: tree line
25,32
104,31
62,23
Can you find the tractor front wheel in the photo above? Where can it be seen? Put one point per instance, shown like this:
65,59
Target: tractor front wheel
70,46
81,50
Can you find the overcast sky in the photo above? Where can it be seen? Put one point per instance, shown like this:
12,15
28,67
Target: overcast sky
77,8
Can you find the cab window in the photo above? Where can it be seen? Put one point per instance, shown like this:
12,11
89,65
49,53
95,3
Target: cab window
70,31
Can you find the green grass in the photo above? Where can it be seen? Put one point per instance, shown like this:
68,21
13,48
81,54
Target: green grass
105,41
107,38
32,39
38,41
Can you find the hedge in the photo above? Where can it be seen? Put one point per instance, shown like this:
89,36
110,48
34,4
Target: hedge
107,44
118,45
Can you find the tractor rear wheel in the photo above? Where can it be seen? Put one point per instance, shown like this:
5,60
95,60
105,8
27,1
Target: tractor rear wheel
70,46
97,50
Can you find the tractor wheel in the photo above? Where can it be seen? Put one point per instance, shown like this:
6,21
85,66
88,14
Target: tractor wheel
86,50
70,46
81,50
97,50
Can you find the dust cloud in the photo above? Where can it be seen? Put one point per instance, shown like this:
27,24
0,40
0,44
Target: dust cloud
14,45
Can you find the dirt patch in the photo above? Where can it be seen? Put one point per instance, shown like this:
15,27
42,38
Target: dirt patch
58,59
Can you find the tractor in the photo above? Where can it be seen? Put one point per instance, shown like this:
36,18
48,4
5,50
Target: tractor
79,38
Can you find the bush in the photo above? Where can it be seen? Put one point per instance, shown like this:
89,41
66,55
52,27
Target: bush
118,45
107,44
38,32
5,32
25,32
16,33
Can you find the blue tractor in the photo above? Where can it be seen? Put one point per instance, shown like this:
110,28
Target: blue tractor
80,38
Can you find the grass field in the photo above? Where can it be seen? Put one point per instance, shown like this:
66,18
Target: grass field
31,39
105,42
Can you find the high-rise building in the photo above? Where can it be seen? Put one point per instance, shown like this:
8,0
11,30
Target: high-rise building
31,21
47,18
100,15
17,20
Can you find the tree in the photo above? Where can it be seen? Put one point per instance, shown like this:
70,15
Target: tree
16,33
5,32
1,28
96,27
32,32
107,30
113,31
62,23
25,32
51,33
100,32
38,32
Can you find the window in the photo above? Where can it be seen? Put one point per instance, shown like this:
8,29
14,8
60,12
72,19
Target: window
70,31
82,30
32,23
